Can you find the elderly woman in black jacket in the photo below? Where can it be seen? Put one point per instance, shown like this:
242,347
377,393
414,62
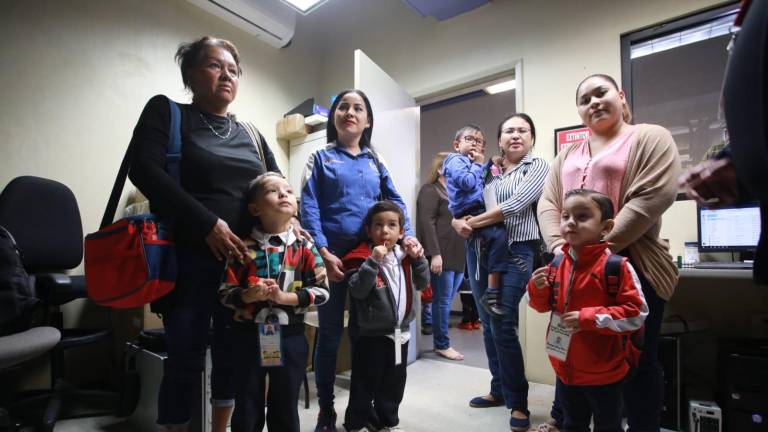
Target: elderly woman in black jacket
208,210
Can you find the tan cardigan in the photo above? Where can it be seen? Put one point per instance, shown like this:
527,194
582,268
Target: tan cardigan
648,189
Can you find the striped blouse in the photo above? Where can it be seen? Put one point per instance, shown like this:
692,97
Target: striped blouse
516,192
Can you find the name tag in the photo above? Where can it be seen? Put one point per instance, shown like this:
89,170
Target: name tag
558,338
269,342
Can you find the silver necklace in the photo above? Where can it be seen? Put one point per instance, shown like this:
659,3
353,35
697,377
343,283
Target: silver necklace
229,127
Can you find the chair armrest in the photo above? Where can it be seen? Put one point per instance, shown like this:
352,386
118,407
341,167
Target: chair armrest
57,289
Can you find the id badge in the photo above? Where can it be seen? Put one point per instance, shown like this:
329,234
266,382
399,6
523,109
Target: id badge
269,342
558,338
398,350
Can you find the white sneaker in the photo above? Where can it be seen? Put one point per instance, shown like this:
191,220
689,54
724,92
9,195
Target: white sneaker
392,429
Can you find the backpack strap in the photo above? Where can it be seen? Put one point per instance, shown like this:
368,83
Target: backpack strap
257,141
172,163
612,274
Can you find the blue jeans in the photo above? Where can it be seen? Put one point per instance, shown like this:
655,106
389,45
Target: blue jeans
331,317
502,345
426,312
187,322
444,288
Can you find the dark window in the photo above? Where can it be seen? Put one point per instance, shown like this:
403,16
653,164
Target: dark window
672,73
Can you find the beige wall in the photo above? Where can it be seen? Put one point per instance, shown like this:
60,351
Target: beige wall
559,41
77,74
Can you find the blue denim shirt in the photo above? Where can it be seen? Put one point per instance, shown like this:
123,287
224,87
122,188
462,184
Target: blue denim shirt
338,189
464,184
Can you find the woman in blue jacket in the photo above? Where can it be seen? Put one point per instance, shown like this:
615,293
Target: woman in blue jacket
341,182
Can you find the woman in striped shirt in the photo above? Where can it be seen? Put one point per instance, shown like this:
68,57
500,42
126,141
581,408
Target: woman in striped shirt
516,191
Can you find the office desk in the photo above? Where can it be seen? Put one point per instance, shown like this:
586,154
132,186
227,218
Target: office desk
695,273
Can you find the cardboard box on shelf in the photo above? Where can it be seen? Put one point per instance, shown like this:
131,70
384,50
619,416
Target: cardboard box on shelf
291,127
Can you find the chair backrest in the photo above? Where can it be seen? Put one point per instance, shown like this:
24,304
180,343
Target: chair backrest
44,218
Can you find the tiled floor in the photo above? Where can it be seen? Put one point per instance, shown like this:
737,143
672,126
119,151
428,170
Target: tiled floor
436,396
467,342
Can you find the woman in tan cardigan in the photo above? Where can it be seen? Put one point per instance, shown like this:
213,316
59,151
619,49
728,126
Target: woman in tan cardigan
637,166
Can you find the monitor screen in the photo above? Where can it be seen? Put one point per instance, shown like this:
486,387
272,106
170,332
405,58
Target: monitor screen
729,229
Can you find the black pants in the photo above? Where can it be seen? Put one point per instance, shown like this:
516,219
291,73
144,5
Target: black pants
580,403
377,383
284,383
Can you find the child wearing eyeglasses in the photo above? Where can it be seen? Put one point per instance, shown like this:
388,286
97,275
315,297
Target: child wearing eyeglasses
467,196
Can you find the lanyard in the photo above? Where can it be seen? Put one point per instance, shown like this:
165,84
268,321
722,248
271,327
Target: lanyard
569,287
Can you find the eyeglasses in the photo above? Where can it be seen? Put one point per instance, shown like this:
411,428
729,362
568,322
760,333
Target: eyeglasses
520,131
473,140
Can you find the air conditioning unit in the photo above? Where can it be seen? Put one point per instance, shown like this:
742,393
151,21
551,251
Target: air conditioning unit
269,20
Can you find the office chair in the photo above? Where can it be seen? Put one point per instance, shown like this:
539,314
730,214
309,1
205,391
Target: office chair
44,218
17,348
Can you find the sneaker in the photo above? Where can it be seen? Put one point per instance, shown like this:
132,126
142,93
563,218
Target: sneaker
365,429
426,330
490,302
466,326
326,421
392,429
476,325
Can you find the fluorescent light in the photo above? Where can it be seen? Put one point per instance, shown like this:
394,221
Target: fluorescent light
712,29
500,87
304,6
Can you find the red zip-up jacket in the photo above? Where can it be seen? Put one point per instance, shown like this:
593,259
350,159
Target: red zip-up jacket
596,354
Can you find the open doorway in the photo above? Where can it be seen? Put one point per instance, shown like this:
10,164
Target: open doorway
439,122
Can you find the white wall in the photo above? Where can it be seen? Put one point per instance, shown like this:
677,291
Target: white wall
559,41
77,74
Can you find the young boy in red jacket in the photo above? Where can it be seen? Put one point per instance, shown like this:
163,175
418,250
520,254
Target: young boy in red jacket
588,324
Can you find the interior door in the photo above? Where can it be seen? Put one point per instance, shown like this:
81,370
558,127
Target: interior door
396,139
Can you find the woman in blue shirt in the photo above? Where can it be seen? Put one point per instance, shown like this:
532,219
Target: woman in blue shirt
341,182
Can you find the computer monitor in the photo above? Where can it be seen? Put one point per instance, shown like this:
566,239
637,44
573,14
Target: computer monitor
729,229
